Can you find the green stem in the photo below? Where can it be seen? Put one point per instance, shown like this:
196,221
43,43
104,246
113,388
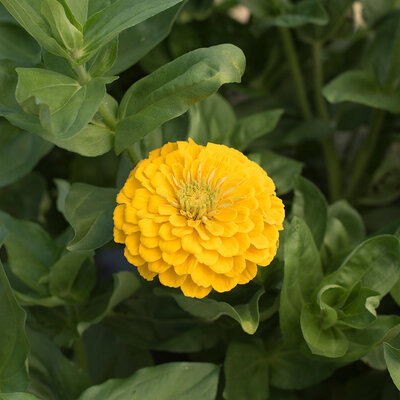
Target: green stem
291,55
328,143
108,115
83,76
363,156
132,154
80,354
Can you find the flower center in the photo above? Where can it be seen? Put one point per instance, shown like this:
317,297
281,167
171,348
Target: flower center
196,199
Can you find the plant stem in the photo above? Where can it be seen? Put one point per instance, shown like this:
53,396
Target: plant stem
83,76
107,114
362,158
291,55
328,143
133,156
80,354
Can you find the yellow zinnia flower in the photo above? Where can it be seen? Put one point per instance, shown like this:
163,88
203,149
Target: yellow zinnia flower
199,217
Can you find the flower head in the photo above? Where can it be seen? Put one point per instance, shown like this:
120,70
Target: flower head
199,217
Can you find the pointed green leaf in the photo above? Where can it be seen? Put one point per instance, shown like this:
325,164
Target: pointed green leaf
169,91
392,358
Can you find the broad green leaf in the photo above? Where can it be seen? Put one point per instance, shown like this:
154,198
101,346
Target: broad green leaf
134,43
18,396
310,204
392,357
362,87
121,14
169,91
288,15
89,210
22,48
66,34
375,263
247,314
52,374
79,9
30,252
28,14
19,152
246,372
282,170
125,283
395,292
73,277
297,368
105,59
254,126
14,346
330,342
63,188
302,274
211,120
63,105
183,381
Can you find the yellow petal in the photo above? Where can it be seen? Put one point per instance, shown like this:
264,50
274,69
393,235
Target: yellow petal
119,216
208,257
158,266
134,260
260,257
146,273
149,255
190,289
239,264
150,169
213,243
242,214
171,279
150,242
201,230
214,228
186,267
190,243
203,275
119,236
175,258
244,242
162,186
141,198
178,220
132,243
223,265
155,202
131,215
170,246
230,229
229,247
165,232
167,210
180,232
148,227
248,273
222,283
246,226
130,228
226,214
259,241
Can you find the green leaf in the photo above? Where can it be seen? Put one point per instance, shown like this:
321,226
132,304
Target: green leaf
310,204
392,358
14,346
63,188
52,374
19,152
169,91
330,342
375,263
289,15
30,252
247,314
125,283
145,36
18,396
28,14
254,126
246,372
89,210
302,274
211,120
22,48
73,277
121,14
63,105
183,381
362,87
104,60
282,170
66,34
